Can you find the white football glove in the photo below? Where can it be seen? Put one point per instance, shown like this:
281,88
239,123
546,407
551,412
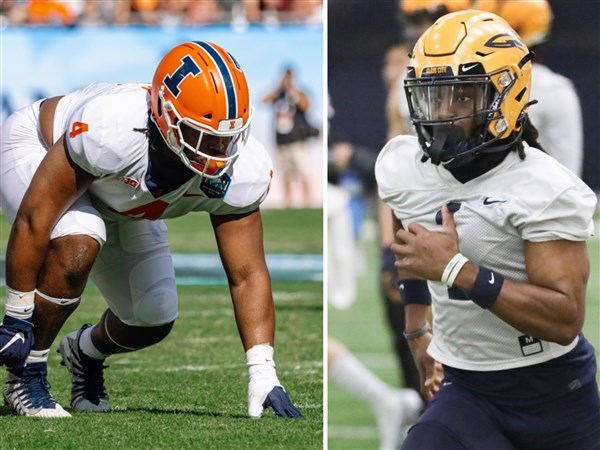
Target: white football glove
264,389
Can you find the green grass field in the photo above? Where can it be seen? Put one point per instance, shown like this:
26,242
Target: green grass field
351,424
190,390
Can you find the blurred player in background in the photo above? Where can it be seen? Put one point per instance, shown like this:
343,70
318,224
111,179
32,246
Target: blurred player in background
416,17
490,231
87,178
394,409
558,114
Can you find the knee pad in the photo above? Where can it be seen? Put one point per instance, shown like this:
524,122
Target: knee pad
157,306
153,292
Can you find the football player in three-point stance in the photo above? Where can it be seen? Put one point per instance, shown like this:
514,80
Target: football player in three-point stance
87,178
491,237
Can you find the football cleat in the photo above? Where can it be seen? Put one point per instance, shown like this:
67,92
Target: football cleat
88,393
29,394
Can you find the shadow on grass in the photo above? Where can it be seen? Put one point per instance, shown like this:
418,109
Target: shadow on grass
6,411
297,307
176,411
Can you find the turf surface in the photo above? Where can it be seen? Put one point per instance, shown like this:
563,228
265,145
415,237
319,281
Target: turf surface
189,391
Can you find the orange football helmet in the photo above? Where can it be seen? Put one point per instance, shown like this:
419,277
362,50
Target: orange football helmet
468,86
200,94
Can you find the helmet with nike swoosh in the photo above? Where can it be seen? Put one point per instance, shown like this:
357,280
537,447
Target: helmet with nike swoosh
469,67
200,94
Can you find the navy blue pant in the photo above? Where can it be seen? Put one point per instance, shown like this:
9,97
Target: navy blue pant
457,419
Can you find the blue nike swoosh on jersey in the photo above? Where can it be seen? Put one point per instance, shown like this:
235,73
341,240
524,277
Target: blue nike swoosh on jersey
487,201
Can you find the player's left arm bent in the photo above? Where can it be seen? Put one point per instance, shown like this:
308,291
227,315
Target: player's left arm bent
551,306
240,242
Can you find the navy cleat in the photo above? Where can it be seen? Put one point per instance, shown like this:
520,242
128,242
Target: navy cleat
88,393
29,394
281,404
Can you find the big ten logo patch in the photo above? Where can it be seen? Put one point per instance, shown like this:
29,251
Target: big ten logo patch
530,345
130,182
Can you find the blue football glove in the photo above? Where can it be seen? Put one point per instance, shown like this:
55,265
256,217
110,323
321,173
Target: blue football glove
16,339
280,402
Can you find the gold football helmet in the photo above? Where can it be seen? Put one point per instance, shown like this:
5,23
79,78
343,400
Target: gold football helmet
468,86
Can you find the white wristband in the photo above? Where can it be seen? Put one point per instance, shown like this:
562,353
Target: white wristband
260,363
457,262
456,269
19,304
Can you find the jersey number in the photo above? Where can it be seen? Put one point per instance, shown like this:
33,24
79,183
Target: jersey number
78,128
151,211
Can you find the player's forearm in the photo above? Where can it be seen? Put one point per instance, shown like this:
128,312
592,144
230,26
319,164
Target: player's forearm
536,311
25,254
254,310
415,316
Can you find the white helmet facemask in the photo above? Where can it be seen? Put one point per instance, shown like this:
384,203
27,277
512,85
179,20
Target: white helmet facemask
192,141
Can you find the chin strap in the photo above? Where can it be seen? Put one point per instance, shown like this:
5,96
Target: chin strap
446,137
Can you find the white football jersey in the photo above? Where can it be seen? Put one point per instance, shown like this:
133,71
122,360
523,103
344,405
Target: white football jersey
103,123
535,200
557,116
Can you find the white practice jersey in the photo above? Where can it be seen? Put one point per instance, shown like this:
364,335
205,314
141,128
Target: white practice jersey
103,124
557,116
534,200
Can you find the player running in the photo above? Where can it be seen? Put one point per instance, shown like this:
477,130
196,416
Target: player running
491,233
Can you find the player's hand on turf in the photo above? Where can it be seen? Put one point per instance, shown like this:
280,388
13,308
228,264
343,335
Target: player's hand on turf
264,388
263,394
426,253
279,401
16,339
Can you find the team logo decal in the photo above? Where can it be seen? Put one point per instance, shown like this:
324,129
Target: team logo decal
504,40
188,67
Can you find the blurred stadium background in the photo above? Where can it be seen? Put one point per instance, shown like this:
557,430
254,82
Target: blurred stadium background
62,50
